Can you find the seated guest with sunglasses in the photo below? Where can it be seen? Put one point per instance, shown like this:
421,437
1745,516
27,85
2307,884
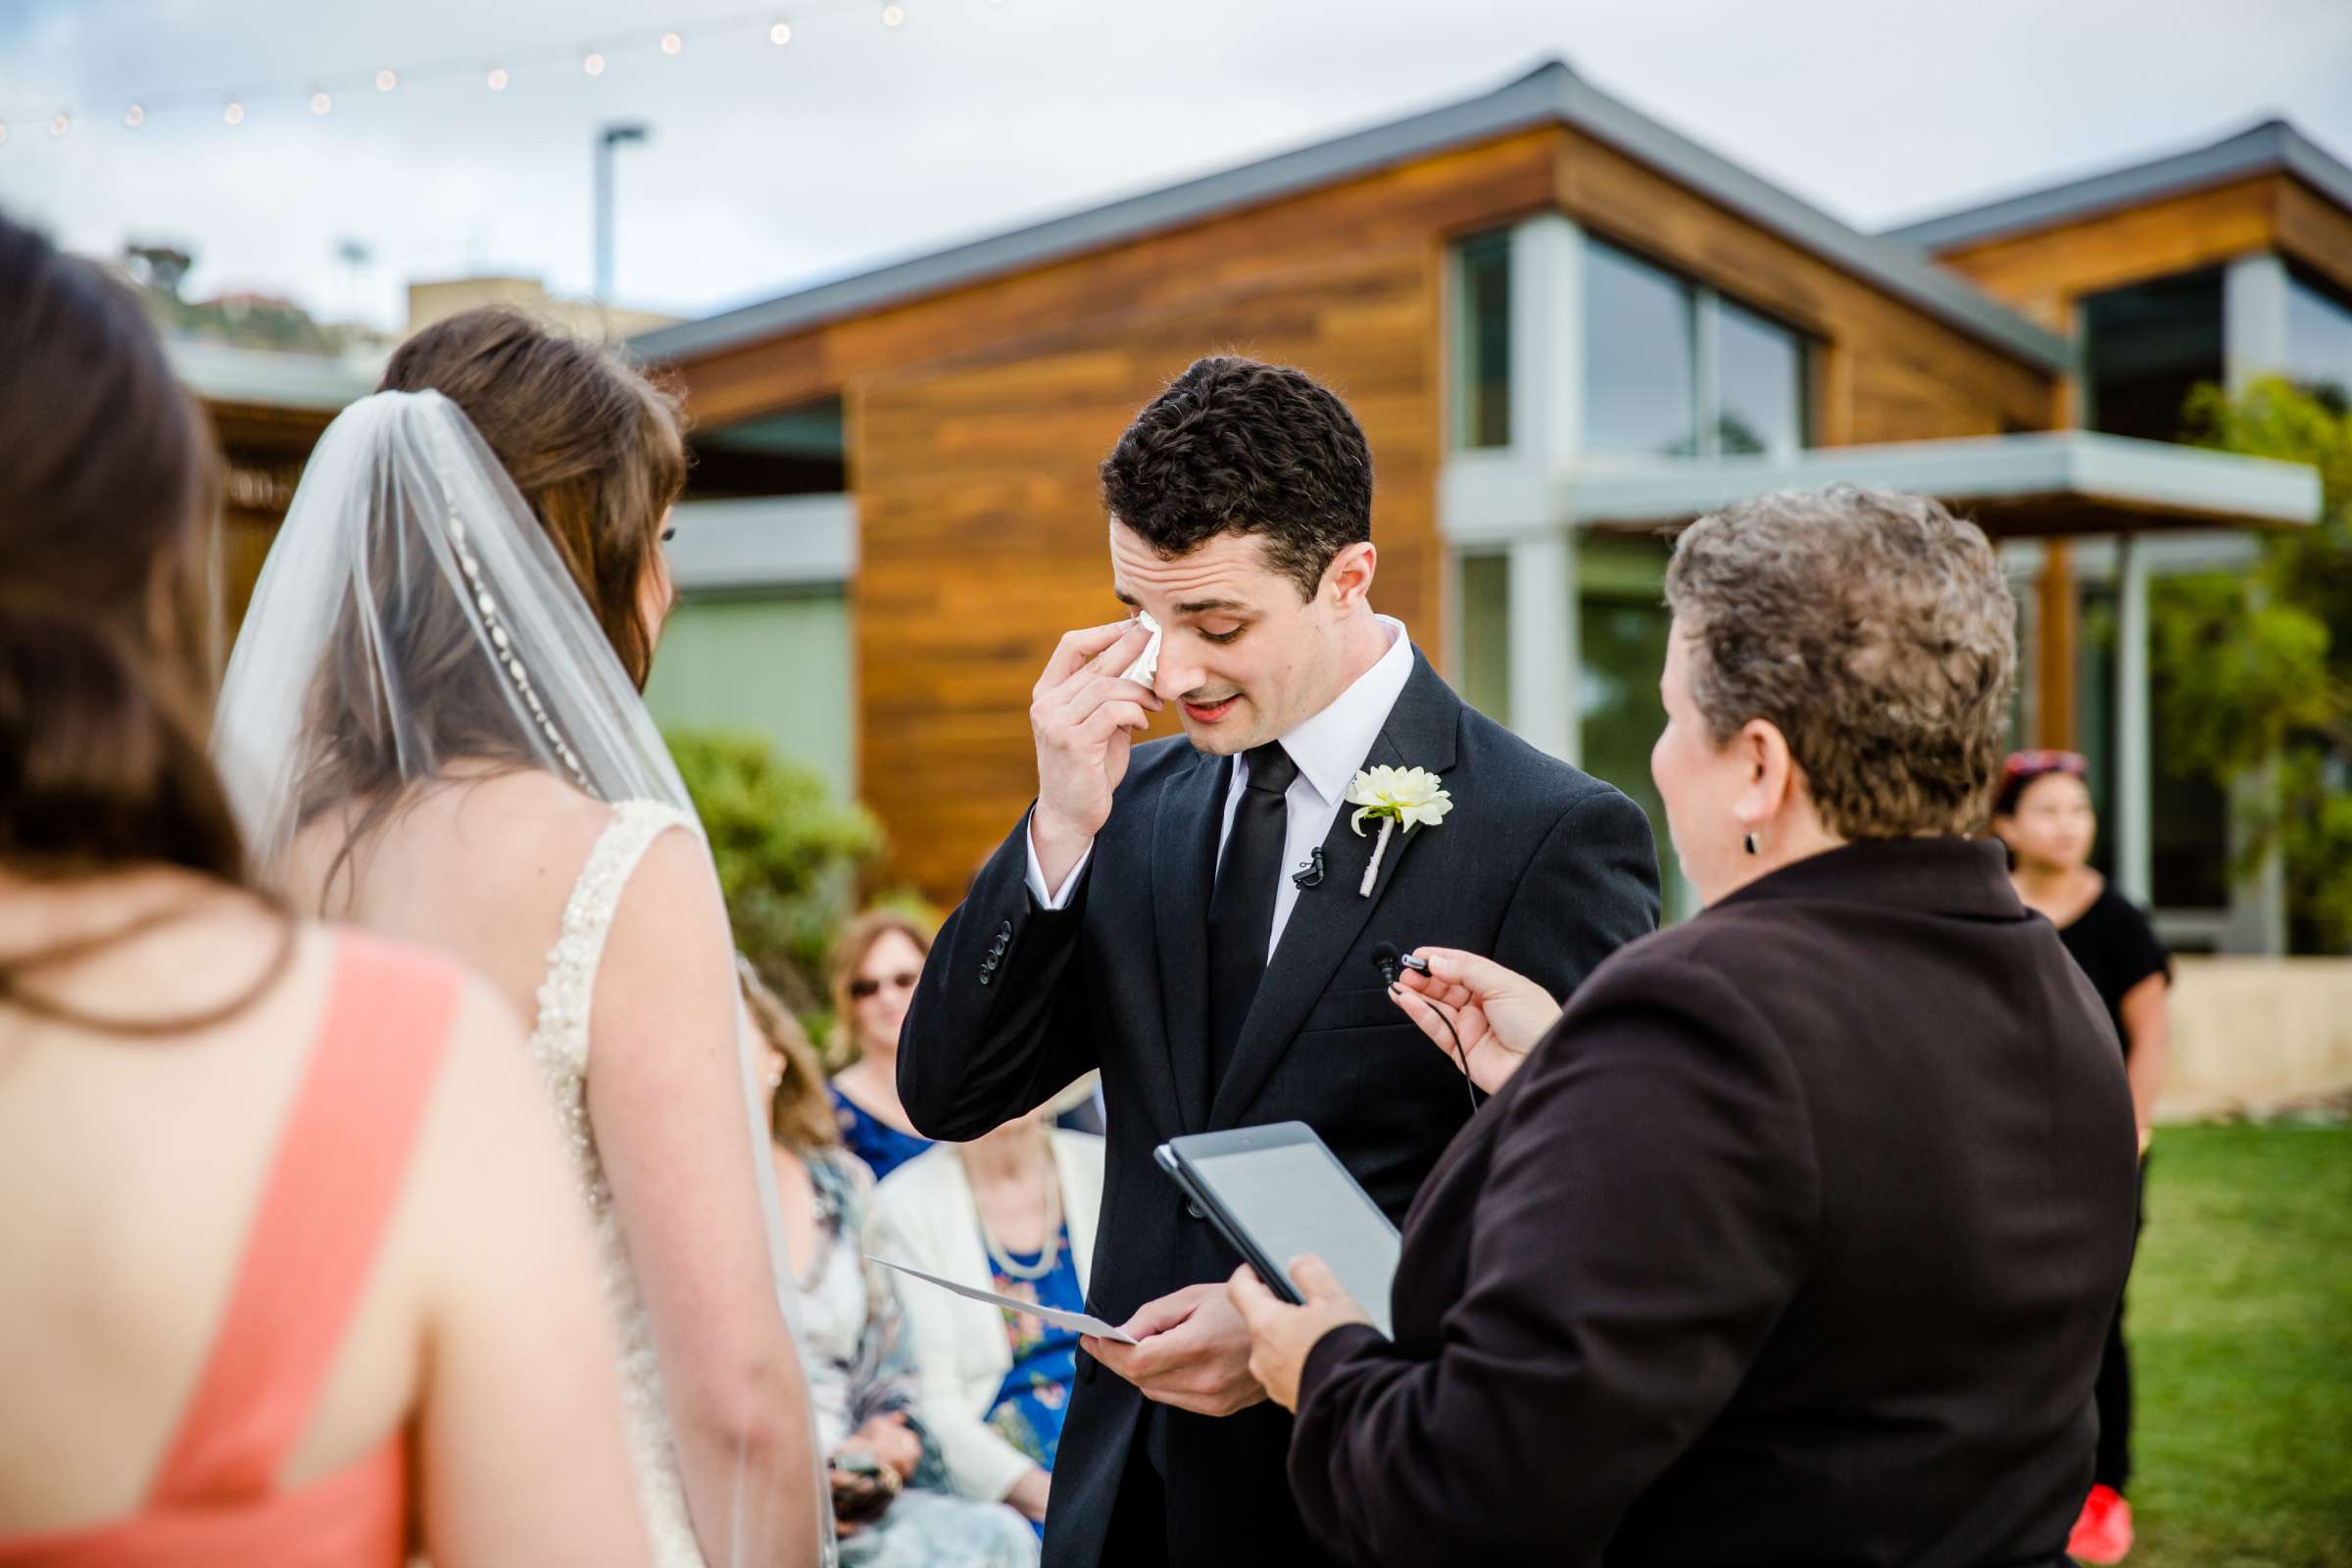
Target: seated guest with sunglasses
875,965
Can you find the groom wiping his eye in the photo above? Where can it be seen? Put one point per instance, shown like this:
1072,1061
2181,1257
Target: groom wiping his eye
1196,919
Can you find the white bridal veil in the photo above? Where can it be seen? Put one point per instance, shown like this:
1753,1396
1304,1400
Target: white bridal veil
413,616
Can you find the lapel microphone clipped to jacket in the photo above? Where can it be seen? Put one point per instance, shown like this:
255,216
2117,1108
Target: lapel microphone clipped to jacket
1386,959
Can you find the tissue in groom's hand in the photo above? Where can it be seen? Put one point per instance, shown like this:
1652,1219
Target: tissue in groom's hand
1147,663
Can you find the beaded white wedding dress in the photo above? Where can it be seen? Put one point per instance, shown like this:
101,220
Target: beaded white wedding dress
559,1046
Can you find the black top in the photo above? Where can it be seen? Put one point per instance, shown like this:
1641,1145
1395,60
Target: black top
1544,867
2117,949
1796,1242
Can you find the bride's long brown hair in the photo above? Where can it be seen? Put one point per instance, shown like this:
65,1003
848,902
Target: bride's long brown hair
110,644
597,451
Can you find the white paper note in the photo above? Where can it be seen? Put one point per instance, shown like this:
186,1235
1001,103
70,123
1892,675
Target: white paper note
1147,663
1054,1315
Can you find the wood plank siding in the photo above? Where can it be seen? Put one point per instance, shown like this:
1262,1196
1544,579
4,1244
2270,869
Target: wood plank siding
977,417
2041,272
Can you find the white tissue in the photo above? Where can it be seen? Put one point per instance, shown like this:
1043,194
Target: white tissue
1147,663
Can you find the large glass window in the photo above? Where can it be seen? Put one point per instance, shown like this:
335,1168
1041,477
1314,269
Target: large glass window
1641,359
1674,370
1621,632
2144,347
1622,627
1760,380
1484,336
792,452
2319,336
1486,622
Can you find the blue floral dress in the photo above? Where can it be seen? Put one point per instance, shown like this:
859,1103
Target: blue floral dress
860,1364
1035,1394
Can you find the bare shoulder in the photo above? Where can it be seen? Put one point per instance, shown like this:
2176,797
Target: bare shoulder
525,814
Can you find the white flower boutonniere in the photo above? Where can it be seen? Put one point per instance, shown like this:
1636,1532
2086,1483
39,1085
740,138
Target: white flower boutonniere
1397,797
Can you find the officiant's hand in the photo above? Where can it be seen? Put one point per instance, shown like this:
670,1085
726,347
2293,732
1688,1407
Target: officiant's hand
1194,1355
1283,1336
1498,1012
1083,717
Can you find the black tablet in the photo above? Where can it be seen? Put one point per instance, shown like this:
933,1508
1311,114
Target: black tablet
1277,1192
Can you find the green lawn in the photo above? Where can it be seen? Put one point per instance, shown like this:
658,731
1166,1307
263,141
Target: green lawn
2240,1326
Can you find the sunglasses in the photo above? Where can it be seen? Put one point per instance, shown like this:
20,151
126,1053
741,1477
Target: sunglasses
862,988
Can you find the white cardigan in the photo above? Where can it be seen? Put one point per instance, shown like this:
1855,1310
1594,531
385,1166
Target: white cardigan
923,1215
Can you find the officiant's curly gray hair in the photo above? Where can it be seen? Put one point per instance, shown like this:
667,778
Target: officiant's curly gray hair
1875,629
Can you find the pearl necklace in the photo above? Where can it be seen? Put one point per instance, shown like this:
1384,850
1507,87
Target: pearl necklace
1001,1260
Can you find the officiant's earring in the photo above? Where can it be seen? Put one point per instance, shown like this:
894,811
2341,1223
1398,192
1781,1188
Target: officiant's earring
1755,843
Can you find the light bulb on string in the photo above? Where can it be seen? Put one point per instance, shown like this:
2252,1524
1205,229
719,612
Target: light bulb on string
321,103
59,122
234,113
893,16
671,43
386,80
780,34
498,79
593,64
135,115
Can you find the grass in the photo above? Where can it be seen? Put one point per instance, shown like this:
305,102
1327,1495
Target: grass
2239,1319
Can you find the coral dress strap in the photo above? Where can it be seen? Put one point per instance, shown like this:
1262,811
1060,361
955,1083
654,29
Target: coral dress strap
340,1169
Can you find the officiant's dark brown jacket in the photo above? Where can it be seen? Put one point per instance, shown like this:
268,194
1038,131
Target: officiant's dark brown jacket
1794,1242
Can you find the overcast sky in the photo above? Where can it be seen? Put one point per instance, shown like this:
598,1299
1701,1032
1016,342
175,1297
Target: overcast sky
770,167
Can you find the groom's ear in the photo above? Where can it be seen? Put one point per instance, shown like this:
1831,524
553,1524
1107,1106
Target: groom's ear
1348,577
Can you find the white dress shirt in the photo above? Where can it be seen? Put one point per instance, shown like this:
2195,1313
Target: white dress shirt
1327,747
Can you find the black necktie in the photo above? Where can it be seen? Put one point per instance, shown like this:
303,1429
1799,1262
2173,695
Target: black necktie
1241,912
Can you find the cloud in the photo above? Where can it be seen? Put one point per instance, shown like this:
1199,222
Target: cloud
769,166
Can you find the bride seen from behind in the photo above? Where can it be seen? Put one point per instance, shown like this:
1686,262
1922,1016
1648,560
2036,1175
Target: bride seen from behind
433,729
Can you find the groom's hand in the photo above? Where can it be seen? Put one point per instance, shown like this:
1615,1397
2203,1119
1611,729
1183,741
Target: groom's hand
1195,1352
1083,717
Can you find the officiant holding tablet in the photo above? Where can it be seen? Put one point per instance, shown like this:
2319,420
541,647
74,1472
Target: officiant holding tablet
1796,1237
1197,917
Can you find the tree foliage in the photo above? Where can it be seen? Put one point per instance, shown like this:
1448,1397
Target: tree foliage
2256,667
790,855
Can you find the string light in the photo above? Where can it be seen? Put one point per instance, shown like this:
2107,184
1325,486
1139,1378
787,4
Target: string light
594,61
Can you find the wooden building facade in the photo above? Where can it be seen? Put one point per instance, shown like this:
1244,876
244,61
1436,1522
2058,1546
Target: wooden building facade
977,390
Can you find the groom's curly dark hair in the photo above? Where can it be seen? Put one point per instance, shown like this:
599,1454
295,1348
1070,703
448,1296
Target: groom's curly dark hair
1236,446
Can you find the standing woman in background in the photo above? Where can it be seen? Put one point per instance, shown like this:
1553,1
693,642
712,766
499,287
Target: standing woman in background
2043,813
294,1274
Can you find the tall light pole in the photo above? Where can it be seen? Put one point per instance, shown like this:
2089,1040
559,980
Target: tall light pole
609,137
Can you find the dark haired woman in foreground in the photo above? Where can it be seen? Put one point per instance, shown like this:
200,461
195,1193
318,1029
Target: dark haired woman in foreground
292,1264
1795,1239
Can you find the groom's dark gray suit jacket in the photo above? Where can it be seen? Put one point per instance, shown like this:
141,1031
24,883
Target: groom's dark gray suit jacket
1538,865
